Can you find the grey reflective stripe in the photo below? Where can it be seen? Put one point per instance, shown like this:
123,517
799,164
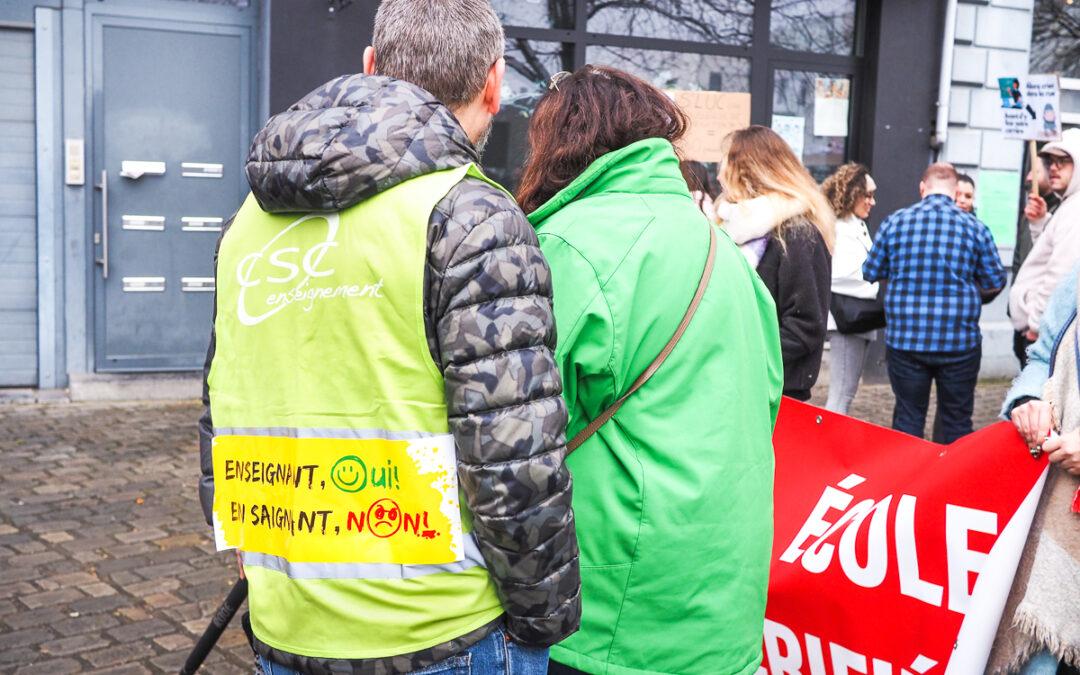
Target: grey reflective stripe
289,432
303,570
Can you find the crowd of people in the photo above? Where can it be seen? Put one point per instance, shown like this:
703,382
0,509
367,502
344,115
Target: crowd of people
676,340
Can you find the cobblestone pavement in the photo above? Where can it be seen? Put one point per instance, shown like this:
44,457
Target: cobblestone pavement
106,565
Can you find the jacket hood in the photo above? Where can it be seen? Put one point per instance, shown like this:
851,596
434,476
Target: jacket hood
350,139
757,217
649,166
1069,143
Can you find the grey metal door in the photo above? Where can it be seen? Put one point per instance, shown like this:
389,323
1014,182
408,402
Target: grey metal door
18,226
172,113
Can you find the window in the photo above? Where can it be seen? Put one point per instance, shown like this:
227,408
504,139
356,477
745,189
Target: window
822,102
536,13
774,49
1055,39
676,70
817,26
728,22
529,66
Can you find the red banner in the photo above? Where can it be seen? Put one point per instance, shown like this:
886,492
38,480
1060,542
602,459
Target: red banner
892,554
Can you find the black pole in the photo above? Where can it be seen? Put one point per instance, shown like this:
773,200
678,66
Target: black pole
217,626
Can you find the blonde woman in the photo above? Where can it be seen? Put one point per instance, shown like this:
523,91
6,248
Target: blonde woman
774,210
850,192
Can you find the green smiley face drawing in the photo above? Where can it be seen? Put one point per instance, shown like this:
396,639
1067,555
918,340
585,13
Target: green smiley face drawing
349,474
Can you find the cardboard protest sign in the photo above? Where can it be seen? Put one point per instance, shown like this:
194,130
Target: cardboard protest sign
1030,107
892,555
713,115
339,500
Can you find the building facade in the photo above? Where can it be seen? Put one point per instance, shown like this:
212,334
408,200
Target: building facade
128,121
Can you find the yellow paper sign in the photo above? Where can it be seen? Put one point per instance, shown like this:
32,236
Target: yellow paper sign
713,115
339,500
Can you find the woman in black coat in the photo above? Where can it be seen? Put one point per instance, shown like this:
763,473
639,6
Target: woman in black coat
775,211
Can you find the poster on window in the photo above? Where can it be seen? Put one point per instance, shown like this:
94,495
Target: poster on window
713,115
791,128
891,554
1030,107
832,98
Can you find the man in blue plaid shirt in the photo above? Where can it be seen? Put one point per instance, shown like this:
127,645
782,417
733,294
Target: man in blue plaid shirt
941,264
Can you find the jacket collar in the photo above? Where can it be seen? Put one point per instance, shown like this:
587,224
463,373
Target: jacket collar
649,166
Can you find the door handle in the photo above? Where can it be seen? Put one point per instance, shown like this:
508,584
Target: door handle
104,259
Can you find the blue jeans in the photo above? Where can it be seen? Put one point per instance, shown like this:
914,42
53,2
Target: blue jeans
1042,663
955,374
496,654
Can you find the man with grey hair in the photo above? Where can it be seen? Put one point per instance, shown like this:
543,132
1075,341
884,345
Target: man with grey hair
383,434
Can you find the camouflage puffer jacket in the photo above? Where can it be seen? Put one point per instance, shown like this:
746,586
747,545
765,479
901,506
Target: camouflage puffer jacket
489,326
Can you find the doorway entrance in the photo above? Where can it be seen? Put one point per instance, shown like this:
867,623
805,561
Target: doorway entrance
173,108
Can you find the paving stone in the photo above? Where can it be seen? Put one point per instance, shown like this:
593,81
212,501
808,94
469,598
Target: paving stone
98,590
174,642
76,644
24,637
106,604
85,624
9,658
116,655
56,537
51,667
59,596
35,617
126,669
140,630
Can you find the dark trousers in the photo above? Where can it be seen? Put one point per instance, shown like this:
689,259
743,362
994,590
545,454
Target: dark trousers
1020,346
955,375
559,669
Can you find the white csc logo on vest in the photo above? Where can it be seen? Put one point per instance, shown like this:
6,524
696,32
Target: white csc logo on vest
288,264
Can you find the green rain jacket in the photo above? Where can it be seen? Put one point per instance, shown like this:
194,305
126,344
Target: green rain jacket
673,496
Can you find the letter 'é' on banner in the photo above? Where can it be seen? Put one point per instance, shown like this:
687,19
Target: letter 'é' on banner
339,500
892,554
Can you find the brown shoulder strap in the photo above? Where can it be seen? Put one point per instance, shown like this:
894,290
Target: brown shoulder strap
584,434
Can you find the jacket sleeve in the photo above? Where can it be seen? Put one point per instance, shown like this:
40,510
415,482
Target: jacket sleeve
1059,314
489,304
989,271
876,267
1037,227
803,288
206,420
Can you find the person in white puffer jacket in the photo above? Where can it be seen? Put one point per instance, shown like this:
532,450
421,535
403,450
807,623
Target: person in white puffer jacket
1057,237
850,192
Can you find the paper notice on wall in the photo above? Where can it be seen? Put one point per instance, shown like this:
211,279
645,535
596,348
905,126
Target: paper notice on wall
1030,107
792,129
713,115
832,98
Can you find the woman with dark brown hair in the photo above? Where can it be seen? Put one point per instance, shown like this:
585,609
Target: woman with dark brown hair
675,490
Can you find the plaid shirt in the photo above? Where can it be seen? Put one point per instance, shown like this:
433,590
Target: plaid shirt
936,258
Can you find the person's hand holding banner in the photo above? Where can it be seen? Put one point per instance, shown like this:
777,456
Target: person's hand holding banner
1034,420
1064,450
892,555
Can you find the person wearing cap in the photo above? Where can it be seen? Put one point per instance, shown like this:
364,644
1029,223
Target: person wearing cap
1056,237
1027,231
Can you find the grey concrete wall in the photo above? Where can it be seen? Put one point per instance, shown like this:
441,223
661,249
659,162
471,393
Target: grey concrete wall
992,40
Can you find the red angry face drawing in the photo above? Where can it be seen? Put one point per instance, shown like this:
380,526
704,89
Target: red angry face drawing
384,518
